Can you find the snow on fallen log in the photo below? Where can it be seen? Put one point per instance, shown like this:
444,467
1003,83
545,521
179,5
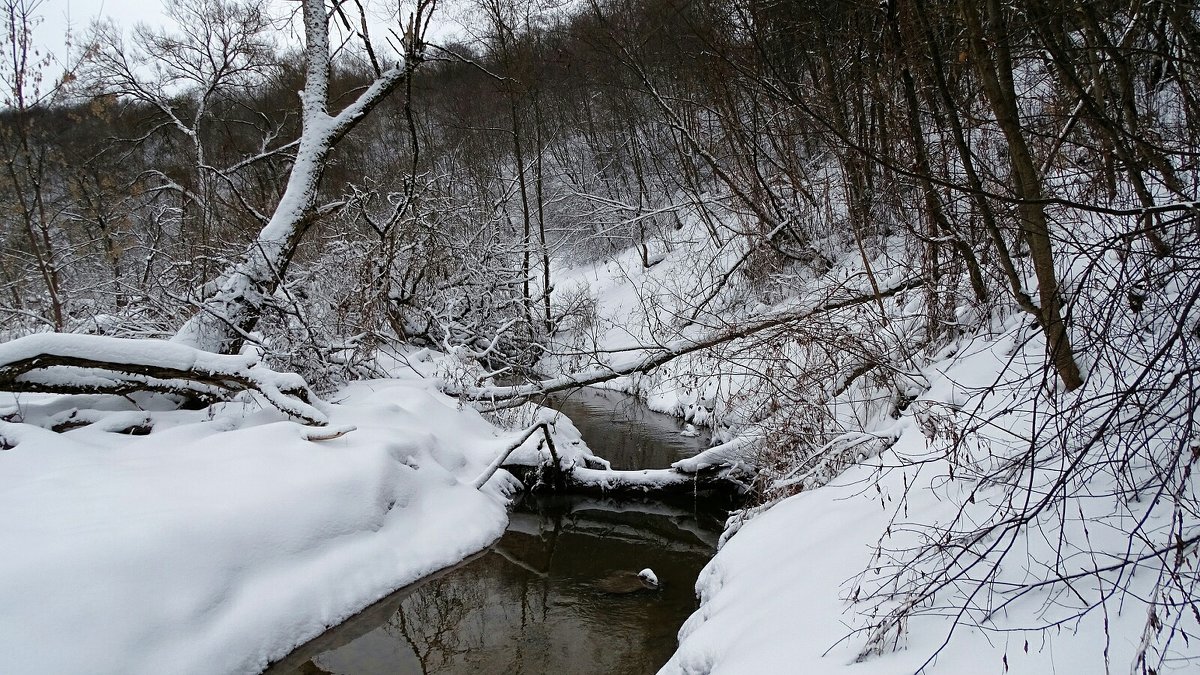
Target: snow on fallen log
61,363
637,482
525,435
648,481
733,453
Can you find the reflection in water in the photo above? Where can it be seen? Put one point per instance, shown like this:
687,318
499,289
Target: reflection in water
532,603
621,429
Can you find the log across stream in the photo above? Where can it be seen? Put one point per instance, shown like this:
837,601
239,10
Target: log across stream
641,446
537,601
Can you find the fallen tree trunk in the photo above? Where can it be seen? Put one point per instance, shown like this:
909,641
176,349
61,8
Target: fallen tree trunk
615,483
655,356
62,363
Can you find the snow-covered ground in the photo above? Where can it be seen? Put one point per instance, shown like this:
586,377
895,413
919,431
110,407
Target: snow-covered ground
629,307
225,538
791,590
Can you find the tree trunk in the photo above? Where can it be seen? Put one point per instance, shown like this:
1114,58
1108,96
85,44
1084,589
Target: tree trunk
226,317
996,78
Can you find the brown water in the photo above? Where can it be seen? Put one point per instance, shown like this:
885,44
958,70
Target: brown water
531,603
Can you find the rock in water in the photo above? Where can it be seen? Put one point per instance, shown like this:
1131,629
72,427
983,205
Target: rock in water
649,578
623,583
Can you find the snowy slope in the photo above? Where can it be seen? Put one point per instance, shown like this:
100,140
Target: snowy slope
637,307
791,590
979,518
697,288
219,542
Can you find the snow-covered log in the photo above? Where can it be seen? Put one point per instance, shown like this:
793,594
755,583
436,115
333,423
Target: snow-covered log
733,453
639,482
649,481
62,363
568,470
525,435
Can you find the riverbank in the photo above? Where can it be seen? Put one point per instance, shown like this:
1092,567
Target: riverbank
812,583
936,501
533,602
221,540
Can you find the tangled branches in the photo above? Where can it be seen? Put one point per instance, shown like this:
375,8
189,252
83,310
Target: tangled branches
1088,505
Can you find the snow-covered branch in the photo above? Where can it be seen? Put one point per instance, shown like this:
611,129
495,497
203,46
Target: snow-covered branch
512,447
654,357
88,364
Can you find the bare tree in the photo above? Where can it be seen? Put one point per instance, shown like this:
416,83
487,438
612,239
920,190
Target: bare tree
32,225
226,316
215,49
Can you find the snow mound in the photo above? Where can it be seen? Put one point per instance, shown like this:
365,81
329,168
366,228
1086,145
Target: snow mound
796,588
221,541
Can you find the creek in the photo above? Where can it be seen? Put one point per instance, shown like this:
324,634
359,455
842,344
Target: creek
535,602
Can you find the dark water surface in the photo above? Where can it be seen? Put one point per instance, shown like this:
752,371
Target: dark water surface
621,429
531,603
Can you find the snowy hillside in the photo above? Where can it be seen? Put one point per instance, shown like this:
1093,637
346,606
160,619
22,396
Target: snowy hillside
929,271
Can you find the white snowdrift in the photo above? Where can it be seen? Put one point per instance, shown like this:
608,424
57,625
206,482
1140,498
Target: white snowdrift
217,545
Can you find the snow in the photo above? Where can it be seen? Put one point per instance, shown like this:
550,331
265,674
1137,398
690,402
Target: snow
225,538
105,363
637,480
791,588
121,350
651,315
219,542
649,577
731,453
802,583
238,299
568,441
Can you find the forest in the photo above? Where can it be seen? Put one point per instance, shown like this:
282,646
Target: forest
926,270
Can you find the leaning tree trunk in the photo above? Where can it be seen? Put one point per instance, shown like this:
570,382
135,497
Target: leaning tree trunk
197,364
227,316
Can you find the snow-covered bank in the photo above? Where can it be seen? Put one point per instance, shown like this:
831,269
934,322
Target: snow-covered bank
805,357
1052,584
959,510
219,542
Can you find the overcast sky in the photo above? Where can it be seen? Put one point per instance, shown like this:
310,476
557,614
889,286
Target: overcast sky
60,15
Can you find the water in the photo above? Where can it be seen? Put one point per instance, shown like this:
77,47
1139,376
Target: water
532,603
621,429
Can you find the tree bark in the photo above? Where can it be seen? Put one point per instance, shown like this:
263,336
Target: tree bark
996,79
